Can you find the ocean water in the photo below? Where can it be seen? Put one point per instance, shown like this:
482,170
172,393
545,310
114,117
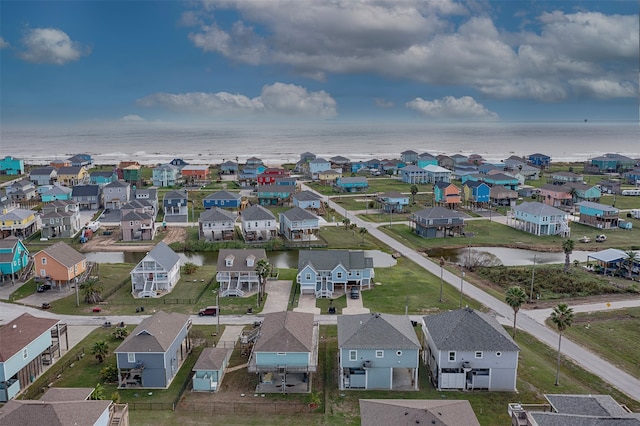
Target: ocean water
153,143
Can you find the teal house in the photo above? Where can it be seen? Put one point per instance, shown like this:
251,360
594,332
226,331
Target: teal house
14,258
598,215
425,159
352,184
613,163
101,178
208,370
56,192
11,166
275,195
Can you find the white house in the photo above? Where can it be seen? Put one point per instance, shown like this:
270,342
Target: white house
157,273
258,224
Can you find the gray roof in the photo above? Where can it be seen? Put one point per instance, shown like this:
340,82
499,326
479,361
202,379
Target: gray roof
216,214
43,171
223,195
117,184
64,254
178,195
468,330
412,412
66,394
276,188
134,215
155,333
439,213
412,168
597,206
85,190
137,204
257,212
102,174
286,331
17,214
357,179
319,160
163,254
326,260
212,359
298,213
241,255
538,209
9,242
35,412
58,190
376,331
609,255
588,405
70,170
555,419
306,196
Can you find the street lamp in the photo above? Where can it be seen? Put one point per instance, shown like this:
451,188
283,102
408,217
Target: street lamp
461,283
441,271
533,274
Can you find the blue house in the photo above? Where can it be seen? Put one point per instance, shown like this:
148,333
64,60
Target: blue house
323,272
307,200
14,258
613,163
539,219
81,160
102,178
208,370
393,201
358,165
11,166
633,175
598,215
151,356
413,174
318,165
285,353
27,347
229,168
275,195
352,184
175,206
298,224
476,193
425,159
222,199
541,161
377,351
409,156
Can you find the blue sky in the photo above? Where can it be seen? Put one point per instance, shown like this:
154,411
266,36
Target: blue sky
210,61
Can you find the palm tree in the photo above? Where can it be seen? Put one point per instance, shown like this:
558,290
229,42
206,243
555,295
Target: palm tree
414,191
346,222
100,350
515,297
632,258
567,247
363,231
92,291
562,317
263,269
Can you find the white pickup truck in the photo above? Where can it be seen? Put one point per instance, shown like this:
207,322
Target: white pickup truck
94,225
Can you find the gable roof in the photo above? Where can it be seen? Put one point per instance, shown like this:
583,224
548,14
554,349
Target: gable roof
117,184
43,171
438,212
36,412
217,214
17,334
64,254
286,331
257,212
242,255
538,209
17,214
468,330
66,394
432,168
223,195
155,333
211,359
376,331
85,190
326,260
163,254
597,206
412,168
306,195
134,215
412,412
70,170
298,213
176,195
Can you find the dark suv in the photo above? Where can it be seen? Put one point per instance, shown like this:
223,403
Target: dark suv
209,310
354,293
43,287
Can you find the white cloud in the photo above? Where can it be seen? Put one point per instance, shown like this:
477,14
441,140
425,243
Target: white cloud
3,43
49,46
450,107
275,99
133,118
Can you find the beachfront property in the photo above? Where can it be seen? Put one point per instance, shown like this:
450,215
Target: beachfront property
11,166
598,215
447,412
438,222
610,163
542,161
43,175
393,201
102,178
275,194
196,174
437,174
216,224
501,196
285,354
209,369
352,184
130,172
55,192
298,225
539,219
413,174
229,168
14,259
222,199
81,160
165,175
325,272
151,356
316,166
60,163
27,347
72,176
175,206
269,175
476,194
236,270
258,224
60,264
409,156
18,222
21,190
60,219
377,351
466,349
446,194
157,273
178,162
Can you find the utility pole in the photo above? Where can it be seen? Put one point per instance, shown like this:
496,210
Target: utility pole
218,312
461,283
441,281
533,275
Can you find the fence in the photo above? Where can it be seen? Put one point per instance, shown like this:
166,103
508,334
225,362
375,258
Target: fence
258,407
51,375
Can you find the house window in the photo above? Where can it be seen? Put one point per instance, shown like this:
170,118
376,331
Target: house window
498,354
282,353
479,354
131,223
399,353
339,275
379,354
307,277
131,357
44,260
353,355
25,353
452,356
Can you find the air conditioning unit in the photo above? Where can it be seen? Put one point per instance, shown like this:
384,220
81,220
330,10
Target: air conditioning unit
367,364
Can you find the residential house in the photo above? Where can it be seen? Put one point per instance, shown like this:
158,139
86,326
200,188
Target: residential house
438,222
392,167
598,215
459,158
27,345
583,192
258,224
307,200
405,412
60,264
555,195
560,178
529,172
609,186
476,159
88,197
393,201
208,370
179,163
157,273
222,199
20,223
229,168
297,225
413,174
285,354
514,162
476,194
43,175
461,170
269,175
425,159
377,351
248,176
632,176
501,196
409,156
11,166
612,163
318,165
502,179
166,175
446,162
539,219
446,194
137,225
131,173
175,206
56,192
329,177
147,194
340,162
116,194
487,168
352,184
60,163
374,164
60,219
275,195
437,174
81,160
139,206
302,166
236,270
21,190
615,262
540,160
216,224
14,259
323,272
101,178
151,356
72,176
359,166
196,174
255,162
467,349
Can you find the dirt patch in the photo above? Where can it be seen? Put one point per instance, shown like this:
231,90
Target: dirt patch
101,242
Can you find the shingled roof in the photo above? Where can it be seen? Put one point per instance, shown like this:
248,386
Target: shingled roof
155,333
326,260
17,334
286,331
64,254
376,331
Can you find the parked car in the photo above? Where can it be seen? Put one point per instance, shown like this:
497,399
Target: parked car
209,310
43,287
354,293
601,238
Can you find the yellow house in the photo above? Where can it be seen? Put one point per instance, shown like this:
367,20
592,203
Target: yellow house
71,176
328,177
18,222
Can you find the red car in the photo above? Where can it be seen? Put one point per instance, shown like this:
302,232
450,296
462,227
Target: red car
209,310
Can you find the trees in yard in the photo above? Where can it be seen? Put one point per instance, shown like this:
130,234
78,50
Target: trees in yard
567,247
515,297
632,257
92,291
263,269
346,221
561,317
414,191
100,350
363,231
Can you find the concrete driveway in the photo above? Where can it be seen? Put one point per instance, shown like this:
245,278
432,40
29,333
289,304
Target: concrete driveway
278,296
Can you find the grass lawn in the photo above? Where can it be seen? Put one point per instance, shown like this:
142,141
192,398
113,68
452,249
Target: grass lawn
337,237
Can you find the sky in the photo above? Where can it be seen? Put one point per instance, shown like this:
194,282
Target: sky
71,62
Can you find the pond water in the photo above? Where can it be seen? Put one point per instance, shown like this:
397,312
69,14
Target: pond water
511,256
